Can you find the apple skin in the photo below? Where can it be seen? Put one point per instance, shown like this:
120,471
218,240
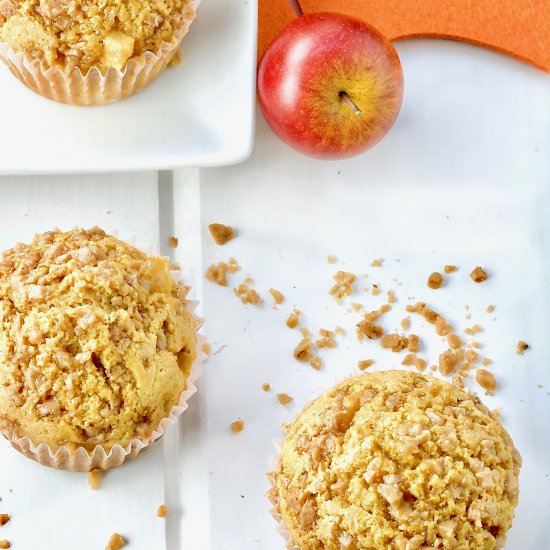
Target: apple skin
304,73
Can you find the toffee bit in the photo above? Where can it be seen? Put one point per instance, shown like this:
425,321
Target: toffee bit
173,242
478,275
521,347
316,363
237,426
365,364
278,297
94,479
221,233
4,518
473,330
420,364
266,387
284,398
293,319
450,269
377,263
486,380
394,341
5,544
332,259
409,359
406,323
343,285
303,351
490,308
116,542
391,297
162,511
435,280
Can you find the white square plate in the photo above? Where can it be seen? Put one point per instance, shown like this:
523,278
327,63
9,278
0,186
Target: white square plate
197,114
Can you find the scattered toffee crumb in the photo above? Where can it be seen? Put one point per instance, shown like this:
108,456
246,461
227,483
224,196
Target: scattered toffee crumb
237,426
5,544
327,339
94,479
4,518
405,323
473,330
332,259
293,319
457,381
217,273
391,297
394,341
246,294
316,363
221,233
206,348
375,290
490,308
377,263
420,364
304,350
365,364
486,361
478,275
278,297
162,511
409,360
435,280
486,380
116,542
454,341
450,269
413,344
284,398
266,387
173,242
343,285
521,347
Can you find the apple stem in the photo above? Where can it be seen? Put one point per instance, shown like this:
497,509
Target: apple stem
344,95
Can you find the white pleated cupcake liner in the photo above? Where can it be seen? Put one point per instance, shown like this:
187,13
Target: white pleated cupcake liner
78,459
94,87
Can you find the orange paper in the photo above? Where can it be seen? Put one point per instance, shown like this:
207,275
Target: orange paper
273,17
520,28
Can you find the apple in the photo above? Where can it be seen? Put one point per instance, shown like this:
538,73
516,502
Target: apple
330,85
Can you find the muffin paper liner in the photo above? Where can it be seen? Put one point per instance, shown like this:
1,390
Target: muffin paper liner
95,88
78,459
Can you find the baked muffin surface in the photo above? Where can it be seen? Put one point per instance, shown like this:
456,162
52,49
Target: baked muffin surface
397,460
96,341
87,33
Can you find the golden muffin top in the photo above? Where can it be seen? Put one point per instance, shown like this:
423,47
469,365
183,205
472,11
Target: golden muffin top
87,33
96,341
397,460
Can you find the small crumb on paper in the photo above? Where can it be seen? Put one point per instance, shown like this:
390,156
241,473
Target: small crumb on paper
486,380
266,387
116,542
94,479
246,294
365,364
521,347
173,242
293,319
221,233
331,259
237,426
377,263
5,544
405,323
278,297
450,268
343,285
162,511
490,308
304,350
435,280
316,363
4,518
284,398
478,275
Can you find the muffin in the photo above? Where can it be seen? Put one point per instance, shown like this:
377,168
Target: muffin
396,460
97,343
86,52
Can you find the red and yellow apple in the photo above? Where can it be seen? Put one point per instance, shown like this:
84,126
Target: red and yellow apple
330,86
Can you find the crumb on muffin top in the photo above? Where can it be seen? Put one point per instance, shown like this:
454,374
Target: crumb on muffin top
397,460
96,341
87,33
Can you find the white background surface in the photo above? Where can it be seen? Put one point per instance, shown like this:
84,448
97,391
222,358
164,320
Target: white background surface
464,178
198,113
